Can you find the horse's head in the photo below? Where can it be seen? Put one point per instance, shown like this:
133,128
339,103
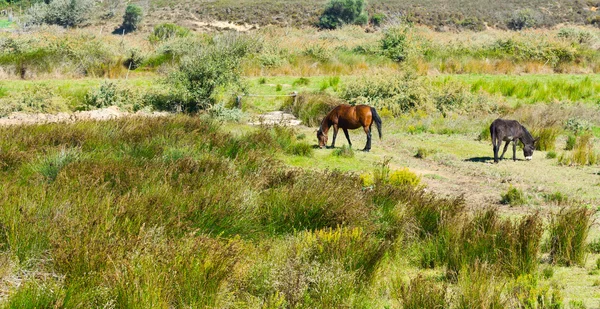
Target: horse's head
322,138
528,150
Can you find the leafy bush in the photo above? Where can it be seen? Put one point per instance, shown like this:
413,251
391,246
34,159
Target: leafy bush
394,43
340,12
513,197
575,35
66,13
577,126
132,18
423,153
521,19
202,75
377,19
404,177
108,94
569,229
134,59
398,94
166,31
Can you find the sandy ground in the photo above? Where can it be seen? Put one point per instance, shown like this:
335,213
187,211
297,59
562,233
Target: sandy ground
109,113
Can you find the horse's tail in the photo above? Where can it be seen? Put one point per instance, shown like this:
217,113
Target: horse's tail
377,120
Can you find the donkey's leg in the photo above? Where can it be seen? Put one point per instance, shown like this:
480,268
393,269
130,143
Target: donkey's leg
368,145
347,137
505,148
496,148
335,132
515,150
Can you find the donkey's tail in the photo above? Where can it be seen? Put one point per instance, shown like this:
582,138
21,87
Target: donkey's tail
377,120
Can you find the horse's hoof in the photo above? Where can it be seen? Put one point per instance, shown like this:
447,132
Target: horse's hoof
366,150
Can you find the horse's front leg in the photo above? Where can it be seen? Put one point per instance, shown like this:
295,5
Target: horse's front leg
368,145
515,150
335,132
505,148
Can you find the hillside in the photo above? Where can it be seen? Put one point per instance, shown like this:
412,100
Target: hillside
428,12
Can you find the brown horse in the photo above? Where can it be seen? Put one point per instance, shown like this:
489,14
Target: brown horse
347,117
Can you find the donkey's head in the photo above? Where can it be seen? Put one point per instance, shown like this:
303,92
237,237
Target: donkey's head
528,149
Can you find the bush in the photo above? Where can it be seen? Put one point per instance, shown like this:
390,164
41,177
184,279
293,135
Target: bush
583,152
166,31
556,197
423,153
546,138
111,94
341,12
394,43
66,13
134,59
521,19
551,154
513,197
404,177
594,246
398,94
568,232
377,19
132,18
528,293
208,71
26,55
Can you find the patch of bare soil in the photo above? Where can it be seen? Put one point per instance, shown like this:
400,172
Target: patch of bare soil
108,113
275,118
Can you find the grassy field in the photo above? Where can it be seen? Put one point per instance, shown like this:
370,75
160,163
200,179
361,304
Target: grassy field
204,210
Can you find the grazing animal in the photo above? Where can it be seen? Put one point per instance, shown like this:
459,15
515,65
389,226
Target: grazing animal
511,131
347,117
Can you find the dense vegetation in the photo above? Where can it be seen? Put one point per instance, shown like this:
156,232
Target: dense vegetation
187,215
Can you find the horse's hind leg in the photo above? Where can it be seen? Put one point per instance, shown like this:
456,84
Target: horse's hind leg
368,145
347,137
496,147
515,150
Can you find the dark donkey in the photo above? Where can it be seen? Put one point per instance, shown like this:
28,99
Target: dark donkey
347,117
511,131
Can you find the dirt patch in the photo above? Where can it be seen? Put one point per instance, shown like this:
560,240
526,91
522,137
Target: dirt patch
203,26
108,113
275,118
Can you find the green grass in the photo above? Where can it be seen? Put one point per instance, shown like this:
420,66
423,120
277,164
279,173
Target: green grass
4,23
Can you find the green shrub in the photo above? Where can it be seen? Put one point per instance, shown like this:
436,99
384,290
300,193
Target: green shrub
343,152
485,134
278,87
394,43
341,12
300,149
262,80
521,19
66,13
167,31
578,126
132,18
568,232
112,94
513,197
551,154
423,153
423,293
377,19
556,197
302,81
548,272
571,140
594,246
575,35
134,59
398,94
26,55
215,67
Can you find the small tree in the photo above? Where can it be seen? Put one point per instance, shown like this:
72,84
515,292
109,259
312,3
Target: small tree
521,19
340,12
66,13
132,18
